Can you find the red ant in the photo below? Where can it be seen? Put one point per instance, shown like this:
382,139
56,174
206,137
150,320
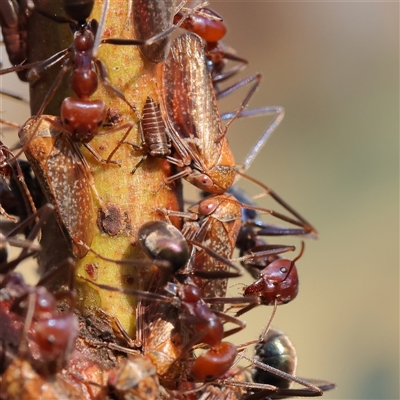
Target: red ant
210,27
206,324
216,221
81,118
163,242
153,23
48,338
277,283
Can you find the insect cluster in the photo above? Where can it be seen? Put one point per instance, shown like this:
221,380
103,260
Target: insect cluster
144,310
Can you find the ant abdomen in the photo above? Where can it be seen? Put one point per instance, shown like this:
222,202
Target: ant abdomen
277,351
214,363
78,10
83,118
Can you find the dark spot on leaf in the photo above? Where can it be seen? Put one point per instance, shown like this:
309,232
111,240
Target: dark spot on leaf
110,222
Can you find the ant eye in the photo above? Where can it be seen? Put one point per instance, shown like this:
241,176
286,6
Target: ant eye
283,270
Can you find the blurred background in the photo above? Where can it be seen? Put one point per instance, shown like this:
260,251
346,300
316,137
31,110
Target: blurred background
334,67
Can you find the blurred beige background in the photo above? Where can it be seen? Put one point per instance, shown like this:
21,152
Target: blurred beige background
334,66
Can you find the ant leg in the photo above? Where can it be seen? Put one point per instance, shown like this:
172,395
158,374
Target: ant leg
13,96
258,112
129,127
302,222
271,250
29,248
37,67
223,76
20,180
64,69
19,67
67,65
257,78
107,84
158,36
9,124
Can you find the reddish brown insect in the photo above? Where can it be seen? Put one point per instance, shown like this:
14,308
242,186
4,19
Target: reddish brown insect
249,241
64,177
215,222
217,226
81,117
209,26
152,18
47,337
51,336
154,138
221,356
278,282
191,113
183,310
153,22
193,119
205,327
13,19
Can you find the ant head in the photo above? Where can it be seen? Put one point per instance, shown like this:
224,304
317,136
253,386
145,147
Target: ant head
278,282
78,10
14,284
52,340
45,303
